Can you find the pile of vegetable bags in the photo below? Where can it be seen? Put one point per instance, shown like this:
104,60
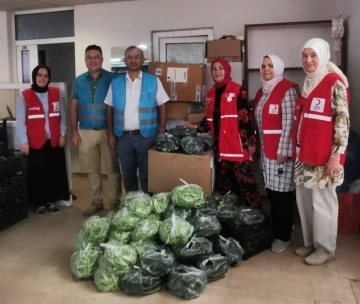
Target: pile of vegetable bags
152,242
182,139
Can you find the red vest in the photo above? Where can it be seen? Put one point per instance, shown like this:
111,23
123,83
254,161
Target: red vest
317,124
35,118
271,117
230,145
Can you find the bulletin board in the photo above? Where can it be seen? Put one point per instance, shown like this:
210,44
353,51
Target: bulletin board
284,40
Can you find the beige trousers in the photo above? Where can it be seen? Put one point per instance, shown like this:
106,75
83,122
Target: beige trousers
94,146
319,216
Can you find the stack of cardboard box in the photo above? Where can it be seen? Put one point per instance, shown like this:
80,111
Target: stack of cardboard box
185,84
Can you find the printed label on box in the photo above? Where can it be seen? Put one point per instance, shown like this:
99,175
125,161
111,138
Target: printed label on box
177,74
158,72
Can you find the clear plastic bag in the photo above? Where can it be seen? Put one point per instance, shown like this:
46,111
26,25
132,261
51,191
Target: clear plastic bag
82,243
84,262
197,248
158,261
232,251
146,229
188,196
143,245
211,205
208,140
175,231
124,220
96,229
226,211
248,217
119,236
139,203
205,225
184,213
140,283
167,143
192,145
186,282
119,256
215,267
181,131
160,202
106,278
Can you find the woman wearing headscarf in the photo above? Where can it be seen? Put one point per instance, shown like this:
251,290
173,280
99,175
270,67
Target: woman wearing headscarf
274,107
228,119
321,134
41,128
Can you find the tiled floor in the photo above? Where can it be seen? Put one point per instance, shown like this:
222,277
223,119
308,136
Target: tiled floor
34,269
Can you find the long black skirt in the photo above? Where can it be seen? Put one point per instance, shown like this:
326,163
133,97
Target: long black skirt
47,175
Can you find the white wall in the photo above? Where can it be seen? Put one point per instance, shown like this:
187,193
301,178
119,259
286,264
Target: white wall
5,48
351,12
130,23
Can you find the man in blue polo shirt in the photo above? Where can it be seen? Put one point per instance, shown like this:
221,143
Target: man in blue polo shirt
89,129
136,113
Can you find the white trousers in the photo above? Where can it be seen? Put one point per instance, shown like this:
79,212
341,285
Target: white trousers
319,216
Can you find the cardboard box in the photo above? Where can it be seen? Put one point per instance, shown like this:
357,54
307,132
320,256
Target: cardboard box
182,82
177,110
195,118
229,49
166,170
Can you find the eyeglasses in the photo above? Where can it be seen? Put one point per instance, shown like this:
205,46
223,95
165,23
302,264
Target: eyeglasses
93,58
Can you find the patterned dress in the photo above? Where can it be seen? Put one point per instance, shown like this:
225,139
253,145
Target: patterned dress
316,177
274,181
234,176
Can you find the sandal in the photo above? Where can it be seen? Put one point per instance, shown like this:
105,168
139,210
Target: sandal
40,210
53,208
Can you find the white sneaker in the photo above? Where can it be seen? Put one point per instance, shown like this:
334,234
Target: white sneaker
63,203
279,246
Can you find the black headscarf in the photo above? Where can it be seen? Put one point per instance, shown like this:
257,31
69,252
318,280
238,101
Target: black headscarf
34,85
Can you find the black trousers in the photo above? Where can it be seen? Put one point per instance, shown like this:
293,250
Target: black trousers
282,213
47,175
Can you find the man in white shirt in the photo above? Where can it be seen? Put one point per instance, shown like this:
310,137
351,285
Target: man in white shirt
135,114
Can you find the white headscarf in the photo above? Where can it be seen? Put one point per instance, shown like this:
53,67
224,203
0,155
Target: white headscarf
322,50
278,64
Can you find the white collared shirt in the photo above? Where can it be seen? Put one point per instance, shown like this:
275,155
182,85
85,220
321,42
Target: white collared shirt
133,90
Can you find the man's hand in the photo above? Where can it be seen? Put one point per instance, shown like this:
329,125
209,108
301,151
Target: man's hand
112,141
25,149
333,165
62,141
252,150
189,124
76,139
281,159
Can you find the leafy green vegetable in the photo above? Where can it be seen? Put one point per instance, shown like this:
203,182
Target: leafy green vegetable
154,217
120,236
186,282
167,143
205,225
207,139
143,245
124,220
83,263
226,211
119,256
96,229
181,131
188,196
158,260
192,145
247,217
184,213
215,267
146,229
139,203
232,251
82,243
110,214
175,231
160,201
139,283
106,279
195,249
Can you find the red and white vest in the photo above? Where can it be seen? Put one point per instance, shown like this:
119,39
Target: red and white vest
271,117
230,145
35,118
317,124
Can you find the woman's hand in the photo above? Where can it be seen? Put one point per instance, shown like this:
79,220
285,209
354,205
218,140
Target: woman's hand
62,141
25,149
190,125
281,159
333,165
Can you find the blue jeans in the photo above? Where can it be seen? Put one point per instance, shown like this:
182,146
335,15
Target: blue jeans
132,151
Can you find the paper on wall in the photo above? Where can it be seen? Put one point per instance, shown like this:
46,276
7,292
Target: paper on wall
177,74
